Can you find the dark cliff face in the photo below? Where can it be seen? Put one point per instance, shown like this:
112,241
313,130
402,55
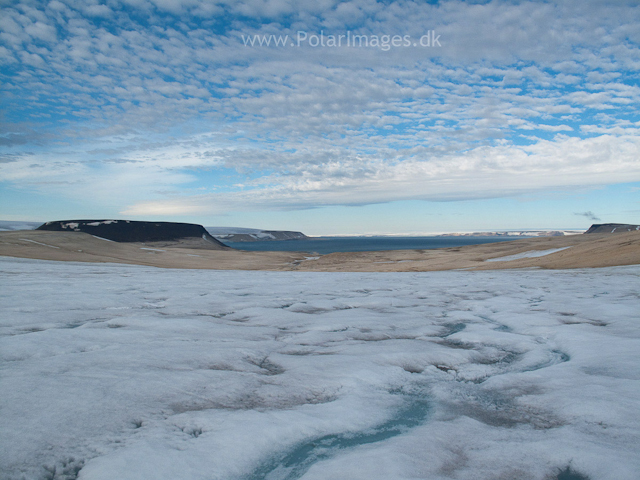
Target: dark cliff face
132,231
612,228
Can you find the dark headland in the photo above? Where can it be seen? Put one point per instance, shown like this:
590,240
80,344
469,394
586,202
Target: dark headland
135,231
612,228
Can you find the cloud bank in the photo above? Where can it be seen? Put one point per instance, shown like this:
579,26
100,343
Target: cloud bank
160,108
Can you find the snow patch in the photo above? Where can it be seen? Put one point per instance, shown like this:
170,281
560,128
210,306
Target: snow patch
529,254
33,241
263,236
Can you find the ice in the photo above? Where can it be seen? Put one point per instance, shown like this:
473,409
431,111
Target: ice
39,243
263,235
104,222
101,238
529,254
128,372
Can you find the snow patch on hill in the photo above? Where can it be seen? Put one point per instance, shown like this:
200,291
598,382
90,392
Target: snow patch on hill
529,254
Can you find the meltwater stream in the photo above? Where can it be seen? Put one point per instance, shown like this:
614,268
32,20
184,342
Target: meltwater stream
295,463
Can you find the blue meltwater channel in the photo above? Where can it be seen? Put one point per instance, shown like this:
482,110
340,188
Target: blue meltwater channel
295,463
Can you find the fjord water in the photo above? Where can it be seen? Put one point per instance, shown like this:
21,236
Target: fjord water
325,245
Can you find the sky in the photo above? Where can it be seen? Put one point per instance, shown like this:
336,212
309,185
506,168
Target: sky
357,117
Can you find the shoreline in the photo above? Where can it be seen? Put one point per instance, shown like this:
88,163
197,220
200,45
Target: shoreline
574,251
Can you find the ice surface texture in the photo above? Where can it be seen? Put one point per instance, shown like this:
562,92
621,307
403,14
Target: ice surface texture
129,372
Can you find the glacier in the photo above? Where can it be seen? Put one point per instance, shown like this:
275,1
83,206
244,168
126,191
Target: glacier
131,372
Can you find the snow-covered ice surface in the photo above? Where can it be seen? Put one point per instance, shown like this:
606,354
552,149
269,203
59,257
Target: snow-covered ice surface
529,254
127,372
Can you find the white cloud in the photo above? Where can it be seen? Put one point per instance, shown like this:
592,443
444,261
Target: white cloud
484,172
319,126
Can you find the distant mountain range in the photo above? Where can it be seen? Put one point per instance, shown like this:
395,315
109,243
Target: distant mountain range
595,228
228,234
521,233
10,226
253,235
239,234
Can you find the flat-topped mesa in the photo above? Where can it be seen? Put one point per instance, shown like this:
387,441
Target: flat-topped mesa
612,228
135,231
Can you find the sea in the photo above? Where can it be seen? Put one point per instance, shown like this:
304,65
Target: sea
325,245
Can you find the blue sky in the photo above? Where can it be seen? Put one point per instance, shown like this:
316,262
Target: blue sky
521,115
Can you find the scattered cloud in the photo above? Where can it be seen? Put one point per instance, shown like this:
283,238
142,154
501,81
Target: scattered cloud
590,215
156,100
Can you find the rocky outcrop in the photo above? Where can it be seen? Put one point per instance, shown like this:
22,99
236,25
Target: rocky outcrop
134,231
612,228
